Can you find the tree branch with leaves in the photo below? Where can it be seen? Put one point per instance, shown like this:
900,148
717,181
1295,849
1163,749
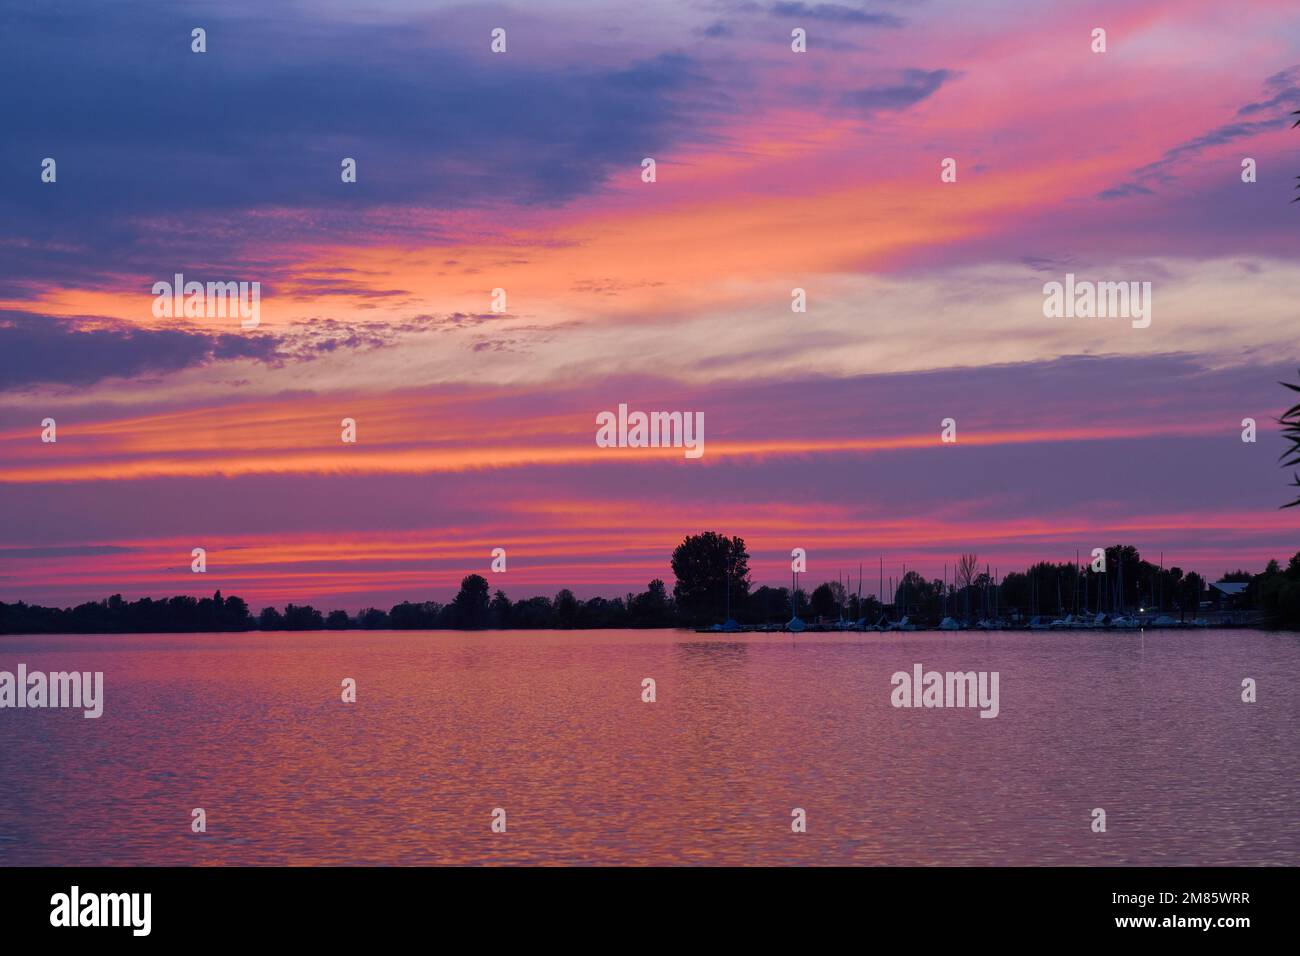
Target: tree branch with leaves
1290,422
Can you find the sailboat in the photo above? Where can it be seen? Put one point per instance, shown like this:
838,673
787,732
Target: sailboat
795,626
727,626
861,623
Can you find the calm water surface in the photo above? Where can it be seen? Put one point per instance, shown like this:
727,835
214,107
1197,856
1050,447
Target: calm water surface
551,727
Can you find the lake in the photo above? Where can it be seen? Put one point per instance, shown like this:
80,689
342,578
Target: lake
550,726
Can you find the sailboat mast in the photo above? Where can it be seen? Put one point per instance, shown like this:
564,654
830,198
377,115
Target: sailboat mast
726,585
1076,581
1121,582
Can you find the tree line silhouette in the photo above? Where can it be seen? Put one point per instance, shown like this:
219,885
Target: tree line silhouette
712,580
472,609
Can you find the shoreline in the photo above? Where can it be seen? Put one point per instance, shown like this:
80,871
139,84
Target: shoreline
746,630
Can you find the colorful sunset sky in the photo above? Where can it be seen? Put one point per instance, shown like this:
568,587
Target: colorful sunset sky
522,171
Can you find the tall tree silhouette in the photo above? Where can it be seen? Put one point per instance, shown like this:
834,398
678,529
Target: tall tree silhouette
705,565
471,604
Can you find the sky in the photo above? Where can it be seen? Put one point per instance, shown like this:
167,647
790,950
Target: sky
523,171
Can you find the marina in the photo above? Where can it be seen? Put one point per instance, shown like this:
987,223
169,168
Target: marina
1038,623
